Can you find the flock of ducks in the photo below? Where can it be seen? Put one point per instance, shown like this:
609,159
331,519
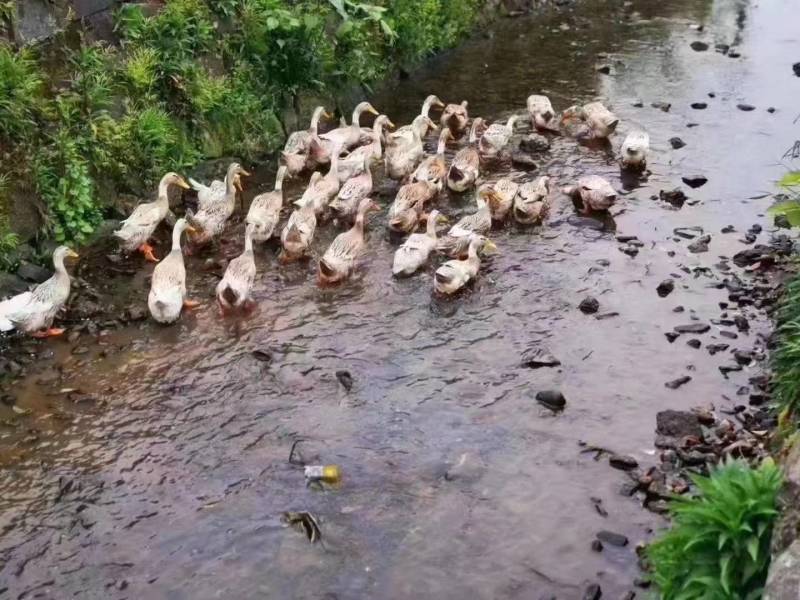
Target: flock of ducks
342,195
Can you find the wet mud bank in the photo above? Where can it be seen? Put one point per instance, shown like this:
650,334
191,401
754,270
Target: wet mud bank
144,461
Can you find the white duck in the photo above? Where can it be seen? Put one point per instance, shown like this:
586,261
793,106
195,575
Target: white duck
634,151
405,134
466,165
233,290
403,156
352,164
542,113
322,188
455,274
345,205
168,286
340,258
456,241
135,231
416,250
33,312
434,168
598,120
455,118
594,192
496,137
531,204
298,232
265,209
296,152
211,218
501,201
351,135
408,206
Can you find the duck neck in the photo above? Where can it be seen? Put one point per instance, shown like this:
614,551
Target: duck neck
359,224
176,237
430,226
472,254
335,161
356,120
510,123
163,193
248,242
279,178
315,119
230,186
473,133
426,107
60,269
442,142
377,132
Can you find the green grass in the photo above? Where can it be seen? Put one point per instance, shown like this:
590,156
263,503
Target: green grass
718,545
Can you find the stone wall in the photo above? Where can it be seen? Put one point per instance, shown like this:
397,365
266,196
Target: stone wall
783,582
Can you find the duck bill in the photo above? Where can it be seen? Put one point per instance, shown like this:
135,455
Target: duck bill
442,220
72,254
182,183
371,109
490,248
191,229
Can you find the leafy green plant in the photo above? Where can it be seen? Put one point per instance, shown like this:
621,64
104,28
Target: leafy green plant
64,182
718,545
790,208
21,95
786,357
8,240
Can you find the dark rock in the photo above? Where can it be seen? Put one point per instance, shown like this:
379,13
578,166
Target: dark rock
612,539
676,143
592,592
675,197
725,369
699,245
734,53
264,356
715,348
552,399
78,350
732,335
31,272
604,69
688,233
624,239
751,256
628,488
665,288
535,358
694,181
608,315
534,143
346,379
629,250
728,229
699,46
782,222
523,160
676,383
589,305
11,285
622,462
597,545
745,107
672,336
742,324
678,309
692,328
771,109
694,343
659,507
637,104
678,423
796,68
664,106
743,357
699,105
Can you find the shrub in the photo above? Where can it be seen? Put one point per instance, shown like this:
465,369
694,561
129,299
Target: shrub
718,545
21,100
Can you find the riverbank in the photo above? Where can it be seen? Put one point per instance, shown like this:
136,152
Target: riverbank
158,456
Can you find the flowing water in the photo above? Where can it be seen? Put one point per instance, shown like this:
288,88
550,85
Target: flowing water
154,461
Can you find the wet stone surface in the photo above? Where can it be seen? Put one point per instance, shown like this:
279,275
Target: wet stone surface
155,464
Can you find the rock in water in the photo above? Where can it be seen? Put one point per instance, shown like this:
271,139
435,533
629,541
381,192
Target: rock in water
622,462
552,399
523,161
745,107
700,244
675,197
611,538
796,68
694,181
676,143
589,305
534,143
346,379
536,358
698,46
676,383
699,105
677,423
665,288
693,328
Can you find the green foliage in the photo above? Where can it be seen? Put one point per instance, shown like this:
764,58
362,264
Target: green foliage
152,143
21,95
790,208
8,240
786,357
63,180
790,180
718,545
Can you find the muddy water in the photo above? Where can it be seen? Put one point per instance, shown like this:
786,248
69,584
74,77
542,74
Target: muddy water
155,464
